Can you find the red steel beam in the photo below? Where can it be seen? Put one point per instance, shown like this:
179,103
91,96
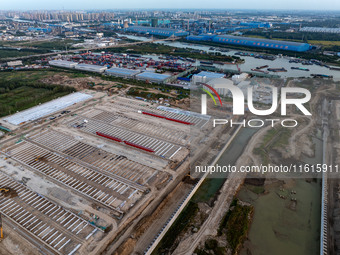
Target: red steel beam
109,137
180,121
171,119
154,115
139,146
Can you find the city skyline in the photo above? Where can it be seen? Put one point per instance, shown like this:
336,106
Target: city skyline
21,5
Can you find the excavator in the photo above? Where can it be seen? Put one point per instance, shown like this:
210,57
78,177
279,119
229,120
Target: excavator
1,232
3,191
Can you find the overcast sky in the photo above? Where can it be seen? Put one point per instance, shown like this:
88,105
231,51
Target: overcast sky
178,4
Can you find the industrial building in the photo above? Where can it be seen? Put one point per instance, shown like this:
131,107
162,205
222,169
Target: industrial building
63,63
205,77
122,72
46,109
152,77
156,31
253,42
91,68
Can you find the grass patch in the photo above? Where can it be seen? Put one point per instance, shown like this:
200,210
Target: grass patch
182,223
325,43
235,224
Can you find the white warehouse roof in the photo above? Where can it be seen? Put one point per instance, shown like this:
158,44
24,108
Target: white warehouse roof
48,108
62,63
210,75
91,68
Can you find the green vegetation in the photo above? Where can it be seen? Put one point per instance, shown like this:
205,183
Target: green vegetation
20,95
31,48
182,223
235,224
293,36
52,45
9,53
151,48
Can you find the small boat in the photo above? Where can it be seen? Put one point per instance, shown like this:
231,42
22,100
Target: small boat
261,67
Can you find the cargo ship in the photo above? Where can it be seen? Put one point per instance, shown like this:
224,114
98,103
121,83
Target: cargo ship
299,68
276,70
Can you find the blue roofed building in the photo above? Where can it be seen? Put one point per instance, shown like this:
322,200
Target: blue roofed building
253,42
156,31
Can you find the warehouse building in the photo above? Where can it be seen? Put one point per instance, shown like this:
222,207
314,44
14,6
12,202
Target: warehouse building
122,72
91,68
153,77
220,85
253,42
204,77
46,109
63,63
156,31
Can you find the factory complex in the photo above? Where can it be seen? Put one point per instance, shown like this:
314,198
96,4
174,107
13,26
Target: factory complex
252,42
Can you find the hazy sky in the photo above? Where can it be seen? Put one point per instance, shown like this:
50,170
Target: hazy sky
178,4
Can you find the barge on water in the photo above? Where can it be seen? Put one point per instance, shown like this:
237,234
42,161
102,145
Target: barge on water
334,68
259,70
275,70
299,68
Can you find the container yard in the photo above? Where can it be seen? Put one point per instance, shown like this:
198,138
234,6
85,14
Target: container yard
79,178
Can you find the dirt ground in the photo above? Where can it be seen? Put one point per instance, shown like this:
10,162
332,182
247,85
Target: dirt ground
77,83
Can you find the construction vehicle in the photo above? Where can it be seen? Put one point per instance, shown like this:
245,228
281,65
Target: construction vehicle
1,232
4,190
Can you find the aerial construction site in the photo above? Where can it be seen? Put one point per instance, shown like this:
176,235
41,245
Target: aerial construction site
82,170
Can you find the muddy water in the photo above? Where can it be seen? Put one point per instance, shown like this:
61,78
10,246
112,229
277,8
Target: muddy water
282,226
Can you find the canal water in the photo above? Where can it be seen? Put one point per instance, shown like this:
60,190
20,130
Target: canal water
212,185
251,62
282,226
